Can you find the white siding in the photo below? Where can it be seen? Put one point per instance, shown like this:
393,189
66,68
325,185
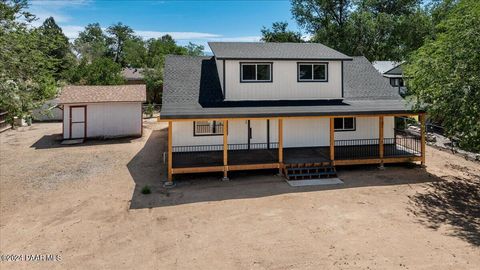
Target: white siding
183,135
296,132
109,119
306,132
367,128
284,85
237,133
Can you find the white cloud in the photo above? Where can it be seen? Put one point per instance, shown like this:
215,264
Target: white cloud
238,39
44,9
71,31
59,3
176,35
183,38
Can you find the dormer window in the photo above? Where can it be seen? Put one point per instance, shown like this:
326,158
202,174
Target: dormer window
255,72
312,72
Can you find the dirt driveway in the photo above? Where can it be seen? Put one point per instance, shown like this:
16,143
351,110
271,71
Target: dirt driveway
84,204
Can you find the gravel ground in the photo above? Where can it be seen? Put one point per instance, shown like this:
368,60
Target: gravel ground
84,203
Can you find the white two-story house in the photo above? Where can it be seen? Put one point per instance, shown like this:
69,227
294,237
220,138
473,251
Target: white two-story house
302,108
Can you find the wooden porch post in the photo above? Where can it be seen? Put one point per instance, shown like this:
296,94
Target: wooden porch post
170,155
422,132
380,139
225,150
332,139
280,145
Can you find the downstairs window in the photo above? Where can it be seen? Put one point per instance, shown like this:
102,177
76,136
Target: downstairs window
207,128
345,124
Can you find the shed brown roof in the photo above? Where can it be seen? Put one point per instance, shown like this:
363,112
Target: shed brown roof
102,93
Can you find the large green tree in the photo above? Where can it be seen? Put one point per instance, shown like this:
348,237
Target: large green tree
194,49
326,20
56,46
135,53
444,74
101,71
118,35
91,43
377,29
280,33
26,78
159,47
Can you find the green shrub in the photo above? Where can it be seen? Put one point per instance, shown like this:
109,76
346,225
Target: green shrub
146,190
149,110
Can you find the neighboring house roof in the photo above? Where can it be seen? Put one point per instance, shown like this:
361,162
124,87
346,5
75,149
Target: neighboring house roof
261,50
384,66
398,70
389,69
132,73
192,90
102,93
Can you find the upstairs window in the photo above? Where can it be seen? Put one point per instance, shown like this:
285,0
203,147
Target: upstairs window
312,72
255,72
344,124
206,128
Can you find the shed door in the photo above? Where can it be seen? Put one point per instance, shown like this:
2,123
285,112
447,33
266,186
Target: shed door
78,122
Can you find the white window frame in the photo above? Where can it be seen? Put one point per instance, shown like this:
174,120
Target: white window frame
312,64
256,74
343,124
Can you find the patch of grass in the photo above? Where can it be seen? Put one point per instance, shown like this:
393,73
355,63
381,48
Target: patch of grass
146,190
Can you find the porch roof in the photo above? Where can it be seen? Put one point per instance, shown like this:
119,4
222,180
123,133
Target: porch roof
192,90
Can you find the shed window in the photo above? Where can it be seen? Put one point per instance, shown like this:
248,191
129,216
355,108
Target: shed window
345,124
312,72
203,128
256,72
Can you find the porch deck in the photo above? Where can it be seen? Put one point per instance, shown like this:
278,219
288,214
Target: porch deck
291,155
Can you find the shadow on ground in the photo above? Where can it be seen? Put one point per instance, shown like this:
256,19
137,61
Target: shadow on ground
454,202
55,141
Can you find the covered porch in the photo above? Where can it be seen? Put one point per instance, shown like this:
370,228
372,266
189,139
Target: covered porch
400,147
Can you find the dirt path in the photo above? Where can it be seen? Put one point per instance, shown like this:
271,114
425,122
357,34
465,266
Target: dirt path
84,204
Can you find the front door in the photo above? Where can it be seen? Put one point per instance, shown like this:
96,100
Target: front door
78,122
258,134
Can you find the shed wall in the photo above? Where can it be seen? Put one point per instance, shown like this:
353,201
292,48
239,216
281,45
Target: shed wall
115,119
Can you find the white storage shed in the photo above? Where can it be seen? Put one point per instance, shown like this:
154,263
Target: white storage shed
105,111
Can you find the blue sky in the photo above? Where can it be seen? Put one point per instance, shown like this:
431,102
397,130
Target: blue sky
195,21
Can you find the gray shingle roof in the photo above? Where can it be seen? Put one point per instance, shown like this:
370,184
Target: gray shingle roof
261,50
192,90
102,93
362,81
